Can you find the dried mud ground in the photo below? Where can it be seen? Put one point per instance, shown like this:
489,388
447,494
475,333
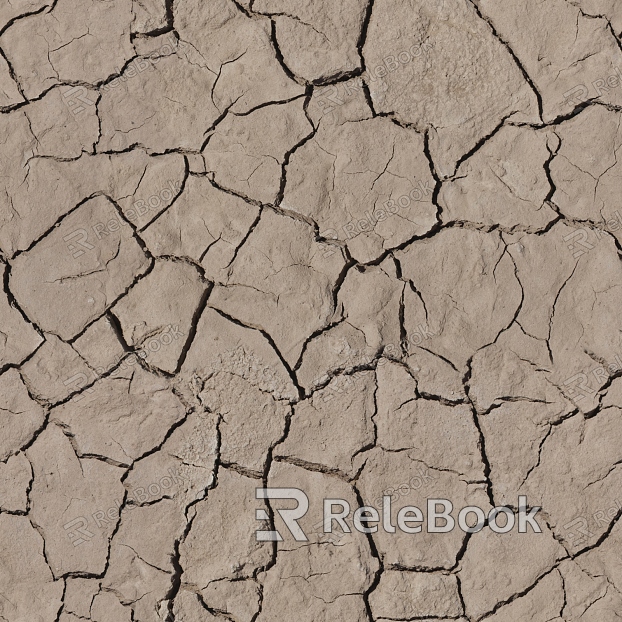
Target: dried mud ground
355,247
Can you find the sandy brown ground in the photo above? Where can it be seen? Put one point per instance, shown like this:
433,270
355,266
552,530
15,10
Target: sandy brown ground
354,247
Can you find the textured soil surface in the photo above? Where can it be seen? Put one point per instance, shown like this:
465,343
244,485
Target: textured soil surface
359,248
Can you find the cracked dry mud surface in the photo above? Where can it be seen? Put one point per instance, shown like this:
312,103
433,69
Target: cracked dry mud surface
359,248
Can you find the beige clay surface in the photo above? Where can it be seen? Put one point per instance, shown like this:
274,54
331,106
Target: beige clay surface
359,248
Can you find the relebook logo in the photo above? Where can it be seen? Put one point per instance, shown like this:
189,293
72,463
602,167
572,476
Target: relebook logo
410,519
